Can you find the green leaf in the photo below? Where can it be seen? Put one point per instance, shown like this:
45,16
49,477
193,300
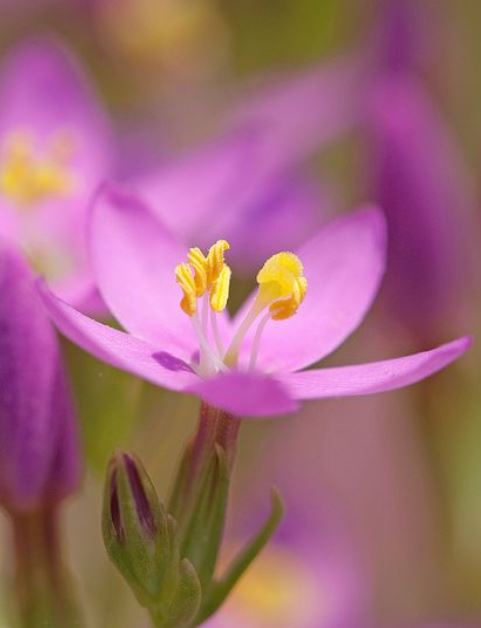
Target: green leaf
219,590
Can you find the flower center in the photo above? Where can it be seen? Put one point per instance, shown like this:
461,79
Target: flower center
282,288
278,590
28,177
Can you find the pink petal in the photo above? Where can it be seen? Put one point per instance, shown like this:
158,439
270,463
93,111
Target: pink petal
192,193
230,190
134,258
82,293
343,265
241,394
364,379
153,363
245,394
306,111
420,179
280,215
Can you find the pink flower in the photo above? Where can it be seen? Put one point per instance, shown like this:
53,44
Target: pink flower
250,365
55,147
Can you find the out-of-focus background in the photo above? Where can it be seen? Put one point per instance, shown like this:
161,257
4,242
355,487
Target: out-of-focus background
383,492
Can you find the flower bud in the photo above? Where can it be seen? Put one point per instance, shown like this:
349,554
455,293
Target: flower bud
40,460
140,538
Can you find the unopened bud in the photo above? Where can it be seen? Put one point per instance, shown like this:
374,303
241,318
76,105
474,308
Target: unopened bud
140,538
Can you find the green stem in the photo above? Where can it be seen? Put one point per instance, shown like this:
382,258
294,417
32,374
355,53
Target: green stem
42,585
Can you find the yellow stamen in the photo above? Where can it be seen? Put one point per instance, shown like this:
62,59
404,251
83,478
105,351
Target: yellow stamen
198,261
282,285
204,274
215,260
282,288
27,179
220,290
185,279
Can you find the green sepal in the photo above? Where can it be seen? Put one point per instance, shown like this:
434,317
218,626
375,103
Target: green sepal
216,594
202,536
187,601
179,492
181,610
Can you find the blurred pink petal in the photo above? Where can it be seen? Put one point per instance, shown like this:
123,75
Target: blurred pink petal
40,458
420,180
227,189
300,113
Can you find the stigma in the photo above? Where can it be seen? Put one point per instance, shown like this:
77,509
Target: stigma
282,285
205,282
27,177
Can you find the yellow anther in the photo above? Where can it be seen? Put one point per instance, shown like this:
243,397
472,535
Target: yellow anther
185,278
282,285
198,261
220,290
215,260
27,179
205,274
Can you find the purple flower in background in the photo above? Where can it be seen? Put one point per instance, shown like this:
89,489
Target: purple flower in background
418,178
232,189
309,575
417,175
39,450
251,365
55,147
299,583
303,111
246,187
404,41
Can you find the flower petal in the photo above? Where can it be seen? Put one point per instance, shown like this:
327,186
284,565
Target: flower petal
134,258
328,95
245,394
191,193
33,408
280,215
365,379
343,265
427,192
117,348
229,190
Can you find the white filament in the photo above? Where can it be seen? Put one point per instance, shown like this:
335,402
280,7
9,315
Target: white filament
257,340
